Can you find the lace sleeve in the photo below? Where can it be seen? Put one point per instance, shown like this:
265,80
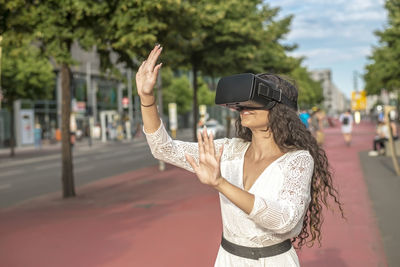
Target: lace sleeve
283,214
173,151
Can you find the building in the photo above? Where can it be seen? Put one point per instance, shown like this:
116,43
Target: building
335,101
96,101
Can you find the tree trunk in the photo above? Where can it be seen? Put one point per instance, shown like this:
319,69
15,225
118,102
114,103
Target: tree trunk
195,106
67,168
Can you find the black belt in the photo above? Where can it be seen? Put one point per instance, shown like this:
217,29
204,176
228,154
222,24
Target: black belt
254,252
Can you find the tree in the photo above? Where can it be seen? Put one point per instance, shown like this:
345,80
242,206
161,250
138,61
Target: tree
206,97
383,70
176,90
132,28
272,57
25,75
55,25
218,38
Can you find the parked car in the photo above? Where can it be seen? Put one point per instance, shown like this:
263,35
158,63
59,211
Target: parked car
214,127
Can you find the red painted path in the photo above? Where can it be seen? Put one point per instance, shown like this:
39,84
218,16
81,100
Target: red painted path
152,218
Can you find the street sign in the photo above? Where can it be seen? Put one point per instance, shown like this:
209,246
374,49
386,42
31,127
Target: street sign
125,102
78,106
358,100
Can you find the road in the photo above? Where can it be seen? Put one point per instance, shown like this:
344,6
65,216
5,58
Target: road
28,177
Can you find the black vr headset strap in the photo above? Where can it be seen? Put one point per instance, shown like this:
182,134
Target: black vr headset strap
269,90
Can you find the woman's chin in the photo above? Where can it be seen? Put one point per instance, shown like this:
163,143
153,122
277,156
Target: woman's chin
247,125
244,124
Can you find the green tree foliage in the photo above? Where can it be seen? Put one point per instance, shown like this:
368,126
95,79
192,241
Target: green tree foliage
210,38
176,90
383,70
271,56
25,73
206,96
221,38
132,28
55,25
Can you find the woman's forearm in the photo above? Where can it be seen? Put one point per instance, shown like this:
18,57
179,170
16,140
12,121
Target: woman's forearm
146,78
151,119
241,198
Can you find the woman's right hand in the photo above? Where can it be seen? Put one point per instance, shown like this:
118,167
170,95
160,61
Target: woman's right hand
146,76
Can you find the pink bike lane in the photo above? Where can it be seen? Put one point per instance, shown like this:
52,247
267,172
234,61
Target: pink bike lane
355,241
152,218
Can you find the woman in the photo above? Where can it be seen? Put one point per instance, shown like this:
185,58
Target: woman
271,179
346,119
382,137
317,125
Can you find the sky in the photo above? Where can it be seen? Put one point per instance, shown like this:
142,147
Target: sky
336,35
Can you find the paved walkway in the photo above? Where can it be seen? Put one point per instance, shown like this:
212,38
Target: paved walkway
355,242
384,188
152,218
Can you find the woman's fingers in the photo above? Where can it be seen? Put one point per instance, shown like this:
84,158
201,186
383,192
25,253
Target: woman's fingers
201,146
206,141
211,144
156,69
153,58
141,66
219,156
191,161
152,53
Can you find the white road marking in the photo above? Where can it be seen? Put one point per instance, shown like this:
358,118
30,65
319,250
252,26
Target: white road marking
80,160
27,161
10,173
84,169
48,166
104,156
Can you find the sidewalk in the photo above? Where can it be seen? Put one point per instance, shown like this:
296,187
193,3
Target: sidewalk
151,218
31,151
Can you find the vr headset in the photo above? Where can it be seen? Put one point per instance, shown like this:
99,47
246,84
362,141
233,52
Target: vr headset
249,91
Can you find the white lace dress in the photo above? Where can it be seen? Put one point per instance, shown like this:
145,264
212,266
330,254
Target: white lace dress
282,195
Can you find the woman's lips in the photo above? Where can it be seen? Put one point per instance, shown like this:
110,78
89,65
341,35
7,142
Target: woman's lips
245,112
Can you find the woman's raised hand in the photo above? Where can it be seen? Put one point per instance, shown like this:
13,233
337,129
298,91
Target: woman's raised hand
146,76
208,170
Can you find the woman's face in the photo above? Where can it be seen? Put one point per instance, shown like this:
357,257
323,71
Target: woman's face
254,119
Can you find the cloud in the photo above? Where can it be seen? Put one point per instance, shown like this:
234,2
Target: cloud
341,18
334,34
326,56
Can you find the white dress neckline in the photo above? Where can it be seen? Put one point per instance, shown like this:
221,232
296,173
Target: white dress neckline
241,181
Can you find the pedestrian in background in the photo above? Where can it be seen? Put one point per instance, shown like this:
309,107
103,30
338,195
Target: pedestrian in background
317,125
346,119
38,135
382,137
272,180
305,118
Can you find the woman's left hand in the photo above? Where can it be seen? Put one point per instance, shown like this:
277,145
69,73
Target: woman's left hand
208,169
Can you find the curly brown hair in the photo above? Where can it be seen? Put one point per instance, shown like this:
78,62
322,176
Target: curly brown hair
290,134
